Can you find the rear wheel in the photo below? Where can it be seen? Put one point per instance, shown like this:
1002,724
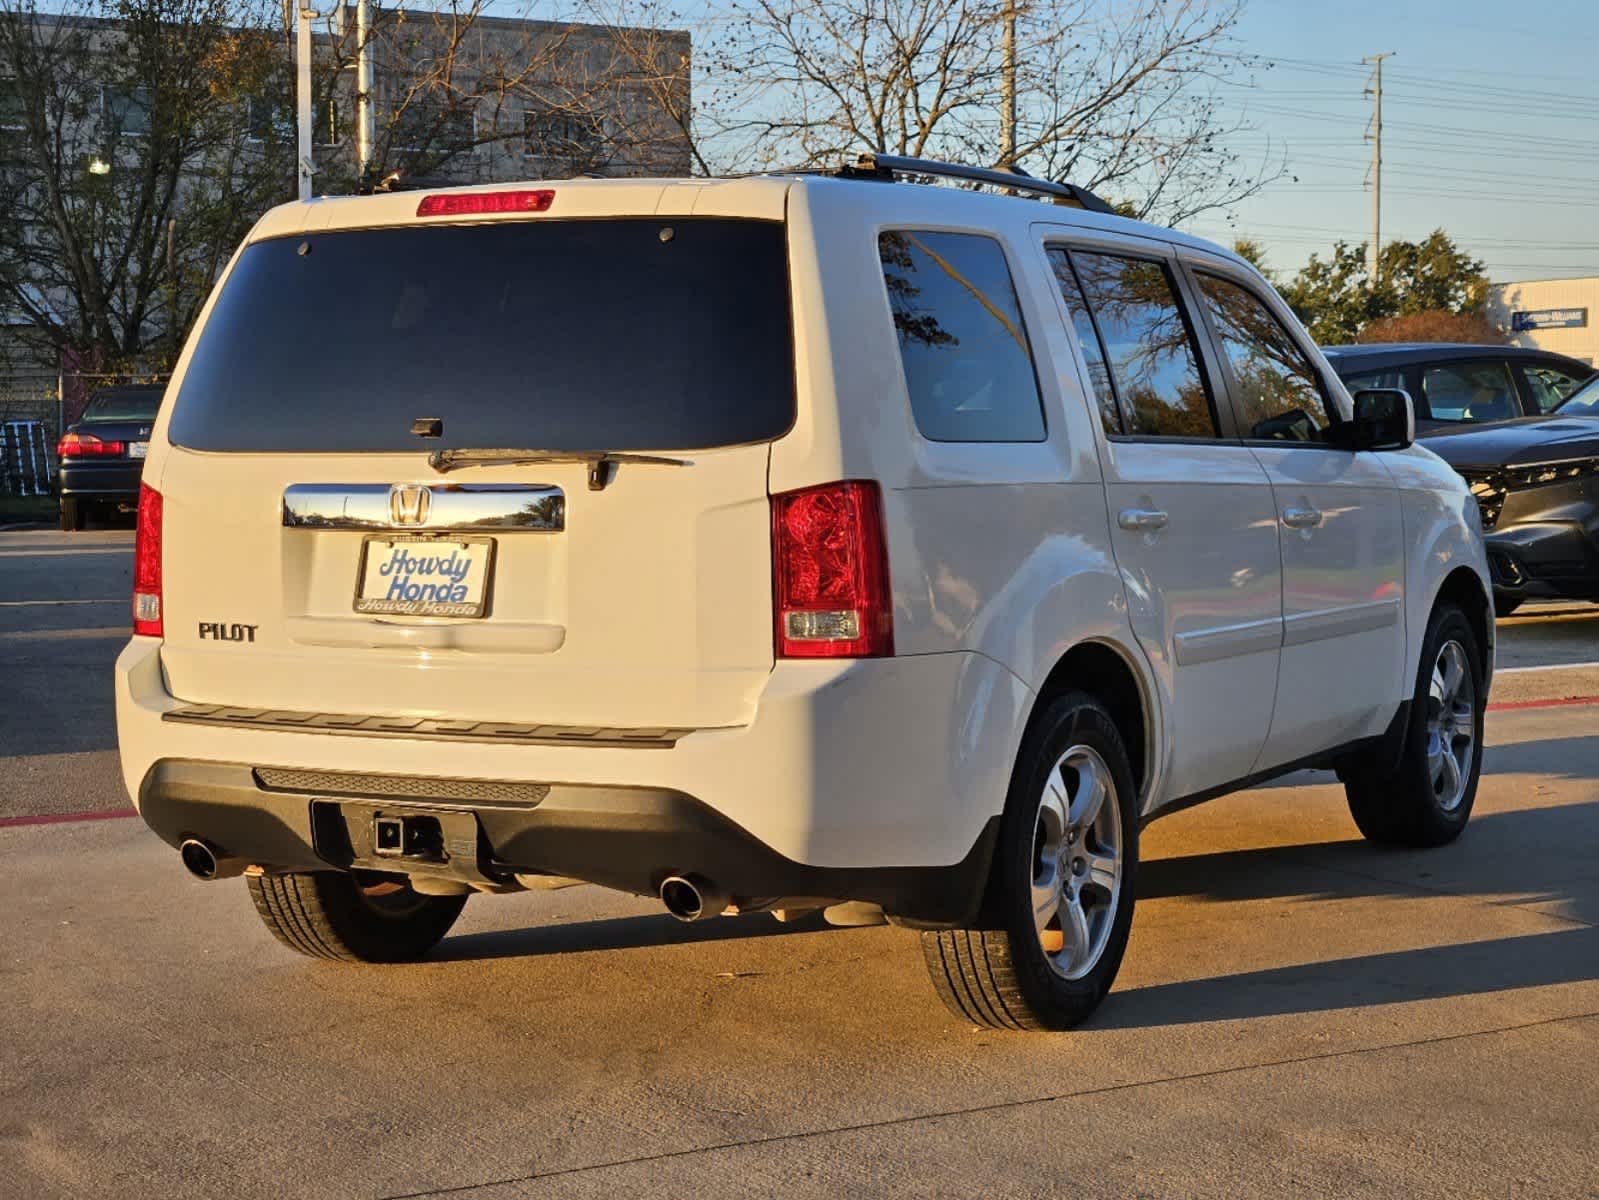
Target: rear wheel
71,514
330,914
1427,799
1062,884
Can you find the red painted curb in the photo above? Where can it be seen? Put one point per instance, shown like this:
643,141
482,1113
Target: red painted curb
63,818
1566,702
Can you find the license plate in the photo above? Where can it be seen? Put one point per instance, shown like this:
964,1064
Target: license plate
138,449
424,576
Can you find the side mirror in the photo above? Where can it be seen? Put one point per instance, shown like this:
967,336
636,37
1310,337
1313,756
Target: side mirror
1384,419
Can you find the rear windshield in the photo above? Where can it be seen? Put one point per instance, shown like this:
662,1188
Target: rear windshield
123,404
560,335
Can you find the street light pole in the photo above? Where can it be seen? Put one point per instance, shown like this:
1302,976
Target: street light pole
363,86
304,167
1007,85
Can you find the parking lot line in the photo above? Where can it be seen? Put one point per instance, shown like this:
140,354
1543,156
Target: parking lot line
63,818
1559,702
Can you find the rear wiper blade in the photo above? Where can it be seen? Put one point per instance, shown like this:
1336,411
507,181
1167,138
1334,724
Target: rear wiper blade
599,462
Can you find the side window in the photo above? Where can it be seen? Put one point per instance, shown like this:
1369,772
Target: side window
1393,377
1279,396
961,337
1147,343
1547,387
1088,337
1468,391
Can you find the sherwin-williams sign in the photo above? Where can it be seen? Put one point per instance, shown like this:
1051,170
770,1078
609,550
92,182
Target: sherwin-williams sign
1549,318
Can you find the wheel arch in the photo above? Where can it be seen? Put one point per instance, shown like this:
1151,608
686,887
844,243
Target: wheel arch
1109,672
1464,588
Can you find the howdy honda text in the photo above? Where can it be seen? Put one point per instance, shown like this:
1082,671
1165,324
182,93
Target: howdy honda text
424,577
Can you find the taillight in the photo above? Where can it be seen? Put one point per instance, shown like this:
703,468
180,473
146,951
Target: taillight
86,445
147,564
830,573
472,204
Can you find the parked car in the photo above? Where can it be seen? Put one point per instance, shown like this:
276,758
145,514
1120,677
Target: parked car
776,544
100,457
1463,384
1537,483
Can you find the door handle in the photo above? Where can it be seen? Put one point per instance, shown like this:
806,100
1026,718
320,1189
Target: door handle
1302,518
1142,520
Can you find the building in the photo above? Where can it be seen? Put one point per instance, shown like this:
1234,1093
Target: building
457,96
1558,315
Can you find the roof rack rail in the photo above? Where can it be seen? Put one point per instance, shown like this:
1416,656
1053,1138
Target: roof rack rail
887,166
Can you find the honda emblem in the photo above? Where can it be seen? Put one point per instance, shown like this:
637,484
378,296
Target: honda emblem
410,504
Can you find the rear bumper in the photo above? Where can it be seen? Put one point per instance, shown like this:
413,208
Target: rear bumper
117,479
628,838
875,779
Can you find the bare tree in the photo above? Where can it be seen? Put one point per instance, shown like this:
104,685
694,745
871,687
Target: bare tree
1120,96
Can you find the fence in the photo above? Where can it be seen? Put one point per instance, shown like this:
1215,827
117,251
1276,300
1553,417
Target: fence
24,459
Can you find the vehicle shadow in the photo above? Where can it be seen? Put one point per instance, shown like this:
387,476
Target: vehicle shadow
1464,969
616,933
1474,869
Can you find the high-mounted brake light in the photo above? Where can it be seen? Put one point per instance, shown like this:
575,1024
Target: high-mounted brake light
472,204
830,573
147,564
86,445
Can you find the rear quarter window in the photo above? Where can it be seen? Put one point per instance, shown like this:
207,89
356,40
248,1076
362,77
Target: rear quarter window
968,363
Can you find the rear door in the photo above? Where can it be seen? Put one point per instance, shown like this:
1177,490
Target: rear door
1193,523
1338,513
531,590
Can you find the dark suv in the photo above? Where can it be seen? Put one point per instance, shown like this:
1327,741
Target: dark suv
102,455
1463,384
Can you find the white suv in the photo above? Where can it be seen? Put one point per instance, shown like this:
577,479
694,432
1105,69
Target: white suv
838,542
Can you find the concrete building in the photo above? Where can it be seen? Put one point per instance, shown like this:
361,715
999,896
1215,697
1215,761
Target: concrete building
1558,315
453,99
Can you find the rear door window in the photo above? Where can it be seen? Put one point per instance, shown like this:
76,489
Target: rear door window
552,334
968,365
1546,386
1276,390
1479,390
1146,341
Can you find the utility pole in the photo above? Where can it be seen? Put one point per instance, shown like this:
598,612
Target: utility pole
1007,92
1375,137
363,87
304,167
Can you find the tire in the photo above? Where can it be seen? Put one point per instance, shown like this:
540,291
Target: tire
1504,607
71,514
1426,800
1022,974
328,914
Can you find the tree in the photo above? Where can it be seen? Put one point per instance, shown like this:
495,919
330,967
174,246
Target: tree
1336,298
1119,98
1436,326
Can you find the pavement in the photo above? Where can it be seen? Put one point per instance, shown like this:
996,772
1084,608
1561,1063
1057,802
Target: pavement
1298,1013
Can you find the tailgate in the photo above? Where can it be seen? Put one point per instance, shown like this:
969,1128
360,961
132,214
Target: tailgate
645,604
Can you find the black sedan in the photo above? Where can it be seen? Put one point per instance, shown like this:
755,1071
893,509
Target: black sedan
1537,485
1453,384
100,458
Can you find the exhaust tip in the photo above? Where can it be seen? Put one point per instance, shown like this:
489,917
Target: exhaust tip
199,859
690,898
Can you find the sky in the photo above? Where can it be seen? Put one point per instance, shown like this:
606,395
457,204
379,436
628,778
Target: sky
1490,129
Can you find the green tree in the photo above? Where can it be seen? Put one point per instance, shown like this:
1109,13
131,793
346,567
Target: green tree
1336,298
